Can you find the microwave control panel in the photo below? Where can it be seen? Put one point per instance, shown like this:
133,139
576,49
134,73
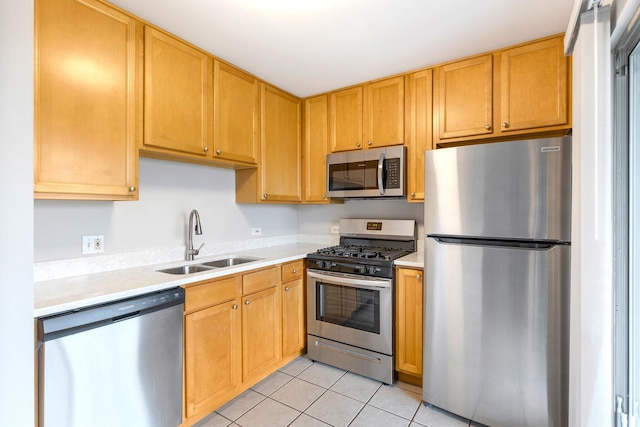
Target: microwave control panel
393,173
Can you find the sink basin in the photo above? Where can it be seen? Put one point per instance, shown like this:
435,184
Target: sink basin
186,269
228,262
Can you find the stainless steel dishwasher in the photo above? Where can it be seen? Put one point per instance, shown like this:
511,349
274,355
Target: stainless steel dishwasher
117,364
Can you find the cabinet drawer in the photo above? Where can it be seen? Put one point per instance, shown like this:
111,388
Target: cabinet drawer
259,280
292,270
211,293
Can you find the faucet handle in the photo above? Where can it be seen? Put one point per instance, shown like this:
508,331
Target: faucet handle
197,251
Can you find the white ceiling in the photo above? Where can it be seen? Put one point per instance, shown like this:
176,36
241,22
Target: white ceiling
312,46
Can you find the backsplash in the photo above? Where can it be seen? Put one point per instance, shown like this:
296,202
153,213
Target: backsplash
51,270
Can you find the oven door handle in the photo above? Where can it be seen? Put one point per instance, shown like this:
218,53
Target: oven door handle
351,282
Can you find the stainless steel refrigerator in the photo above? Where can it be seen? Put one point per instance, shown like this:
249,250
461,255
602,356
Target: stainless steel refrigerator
497,255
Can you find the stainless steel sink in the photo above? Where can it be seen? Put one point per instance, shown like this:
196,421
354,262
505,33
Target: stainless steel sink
228,262
208,266
186,269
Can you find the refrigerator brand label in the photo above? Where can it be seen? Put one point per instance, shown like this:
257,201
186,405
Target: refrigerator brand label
547,149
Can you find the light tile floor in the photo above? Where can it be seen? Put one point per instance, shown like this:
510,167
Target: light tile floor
310,394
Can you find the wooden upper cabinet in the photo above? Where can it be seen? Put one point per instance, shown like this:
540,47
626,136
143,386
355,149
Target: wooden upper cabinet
464,96
236,112
533,83
384,113
315,149
88,82
419,120
177,95
345,119
280,146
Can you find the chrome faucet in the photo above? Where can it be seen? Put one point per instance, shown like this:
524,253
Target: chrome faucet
190,251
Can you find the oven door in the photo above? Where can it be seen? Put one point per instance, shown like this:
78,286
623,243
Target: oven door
351,309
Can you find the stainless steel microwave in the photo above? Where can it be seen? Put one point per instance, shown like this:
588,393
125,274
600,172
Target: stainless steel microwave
373,173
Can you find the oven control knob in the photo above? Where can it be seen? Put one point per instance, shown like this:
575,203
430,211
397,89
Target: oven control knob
361,269
320,264
373,270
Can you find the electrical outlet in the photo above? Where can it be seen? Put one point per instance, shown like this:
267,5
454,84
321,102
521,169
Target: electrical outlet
256,231
93,244
335,229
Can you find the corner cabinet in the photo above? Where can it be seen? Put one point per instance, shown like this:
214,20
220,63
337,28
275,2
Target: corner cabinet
315,149
177,96
409,302
278,176
418,129
511,93
88,86
367,116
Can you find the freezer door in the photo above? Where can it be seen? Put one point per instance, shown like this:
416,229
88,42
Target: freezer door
496,333
516,189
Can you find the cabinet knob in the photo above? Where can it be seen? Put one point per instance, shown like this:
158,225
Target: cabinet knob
247,302
264,196
505,124
369,143
206,149
218,151
294,271
132,188
488,127
418,276
286,289
234,306
324,197
358,144
413,194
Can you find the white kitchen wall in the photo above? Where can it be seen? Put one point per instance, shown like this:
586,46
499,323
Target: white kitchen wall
16,213
168,192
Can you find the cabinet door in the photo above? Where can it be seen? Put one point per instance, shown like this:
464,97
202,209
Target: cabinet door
293,317
409,321
177,95
88,80
212,356
384,113
345,119
419,101
261,335
280,146
236,112
533,85
464,92
315,149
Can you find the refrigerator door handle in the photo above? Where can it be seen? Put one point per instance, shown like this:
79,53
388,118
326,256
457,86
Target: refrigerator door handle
522,244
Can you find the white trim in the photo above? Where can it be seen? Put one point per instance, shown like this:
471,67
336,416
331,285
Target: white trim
630,13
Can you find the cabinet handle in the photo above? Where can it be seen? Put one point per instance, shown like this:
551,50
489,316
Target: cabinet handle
247,302
234,306
358,144
505,124
218,151
413,194
488,127
369,143
294,271
206,149
132,188
286,289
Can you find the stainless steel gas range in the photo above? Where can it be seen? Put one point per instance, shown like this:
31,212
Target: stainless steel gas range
350,296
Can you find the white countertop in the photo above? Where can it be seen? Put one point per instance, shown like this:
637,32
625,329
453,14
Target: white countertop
413,260
70,293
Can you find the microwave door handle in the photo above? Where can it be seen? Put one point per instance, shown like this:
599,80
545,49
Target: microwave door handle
381,174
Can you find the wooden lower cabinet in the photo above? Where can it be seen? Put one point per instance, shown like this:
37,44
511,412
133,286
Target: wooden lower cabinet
294,330
234,335
409,297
